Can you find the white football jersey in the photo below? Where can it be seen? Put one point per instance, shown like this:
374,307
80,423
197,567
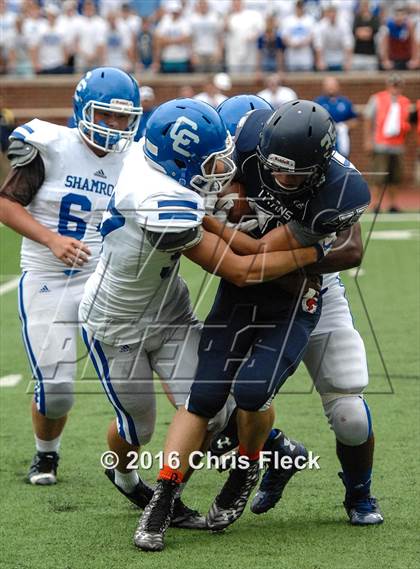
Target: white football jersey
75,193
135,289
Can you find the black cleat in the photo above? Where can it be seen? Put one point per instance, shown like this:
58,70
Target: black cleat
230,503
186,518
140,496
43,470
275,479
156,517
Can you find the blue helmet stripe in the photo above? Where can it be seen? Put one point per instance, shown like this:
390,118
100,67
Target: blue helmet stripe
178,215
180,203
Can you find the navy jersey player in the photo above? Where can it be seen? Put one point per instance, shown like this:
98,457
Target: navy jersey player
60,184
339,380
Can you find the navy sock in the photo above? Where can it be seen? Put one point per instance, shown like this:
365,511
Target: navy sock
357,463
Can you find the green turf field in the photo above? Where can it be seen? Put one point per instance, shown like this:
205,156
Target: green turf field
83,523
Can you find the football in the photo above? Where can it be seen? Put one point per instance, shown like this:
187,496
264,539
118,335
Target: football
240,207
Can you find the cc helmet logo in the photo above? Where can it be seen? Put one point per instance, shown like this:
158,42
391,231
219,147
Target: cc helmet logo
182,136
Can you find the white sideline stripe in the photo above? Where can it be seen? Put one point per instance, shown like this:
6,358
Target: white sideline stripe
396,234
10,380
391,217
9,285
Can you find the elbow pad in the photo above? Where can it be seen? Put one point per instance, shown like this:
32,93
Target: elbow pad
172,242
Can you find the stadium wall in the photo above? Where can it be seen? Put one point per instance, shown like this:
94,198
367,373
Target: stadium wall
49,98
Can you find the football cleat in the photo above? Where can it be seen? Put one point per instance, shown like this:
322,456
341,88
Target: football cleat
276,477
154,522
43,469
140,496
362,510
186,518
230,503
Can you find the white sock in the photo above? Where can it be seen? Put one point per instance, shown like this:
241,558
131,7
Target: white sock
47,446
127,481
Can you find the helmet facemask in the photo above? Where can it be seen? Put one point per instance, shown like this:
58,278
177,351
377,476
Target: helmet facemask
217,171
104,137
307,179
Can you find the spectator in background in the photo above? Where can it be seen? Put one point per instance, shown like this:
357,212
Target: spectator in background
270,47
131,19
333,42
215,90
365,27
186,92
173,40
242,29
342,111
20,61
7,32
48,47
275,92
207,39
386,126
119,44
397,41
32,19
144,45
7,125
148,102
91,39
69,21
297,35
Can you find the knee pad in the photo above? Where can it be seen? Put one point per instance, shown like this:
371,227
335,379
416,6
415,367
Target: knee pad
349,418
337,362
59,398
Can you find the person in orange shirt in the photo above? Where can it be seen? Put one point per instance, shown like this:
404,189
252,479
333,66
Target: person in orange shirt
386,126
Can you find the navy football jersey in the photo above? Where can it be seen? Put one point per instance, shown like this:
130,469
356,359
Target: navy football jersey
335,205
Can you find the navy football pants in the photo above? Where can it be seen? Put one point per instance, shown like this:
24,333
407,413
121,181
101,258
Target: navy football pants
251,343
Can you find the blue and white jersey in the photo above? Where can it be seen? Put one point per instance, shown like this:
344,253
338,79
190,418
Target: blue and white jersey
135,289
74,195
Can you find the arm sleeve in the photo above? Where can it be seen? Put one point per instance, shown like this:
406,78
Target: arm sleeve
22,184
305,235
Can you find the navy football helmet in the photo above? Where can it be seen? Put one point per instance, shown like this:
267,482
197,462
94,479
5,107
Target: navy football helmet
188,141
107,89
233,109
295,148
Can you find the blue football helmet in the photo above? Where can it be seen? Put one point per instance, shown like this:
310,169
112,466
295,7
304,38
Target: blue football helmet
107,89
188,141
234,108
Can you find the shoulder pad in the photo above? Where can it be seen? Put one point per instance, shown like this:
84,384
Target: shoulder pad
340,201
171,212
20,153
333,221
